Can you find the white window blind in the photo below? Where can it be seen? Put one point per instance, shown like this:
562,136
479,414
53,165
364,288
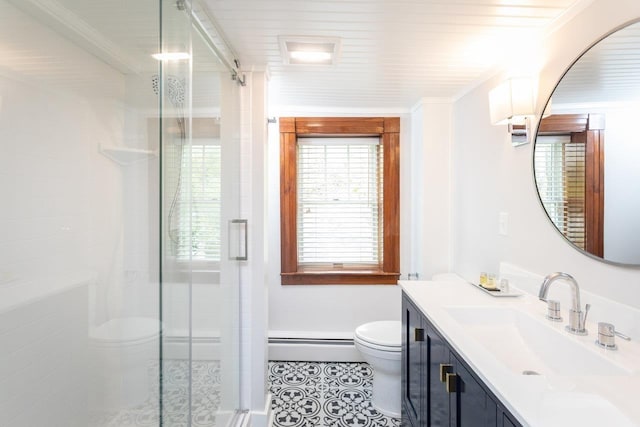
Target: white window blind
199,202
340,205
560,175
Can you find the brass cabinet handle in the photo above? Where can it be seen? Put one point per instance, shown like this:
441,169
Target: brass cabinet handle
451,382
445,368
419,334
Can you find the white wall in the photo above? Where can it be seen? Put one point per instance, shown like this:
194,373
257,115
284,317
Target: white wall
253,282
490,176
430,234
622,186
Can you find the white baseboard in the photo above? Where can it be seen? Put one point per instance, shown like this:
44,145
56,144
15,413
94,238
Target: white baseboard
313,350
263,418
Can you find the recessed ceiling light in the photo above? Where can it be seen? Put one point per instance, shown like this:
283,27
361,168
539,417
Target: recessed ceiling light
310,56
171,56
309,50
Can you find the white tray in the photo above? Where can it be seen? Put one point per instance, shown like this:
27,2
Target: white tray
499,294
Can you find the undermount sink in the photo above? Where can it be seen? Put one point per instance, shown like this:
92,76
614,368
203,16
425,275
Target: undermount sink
527,345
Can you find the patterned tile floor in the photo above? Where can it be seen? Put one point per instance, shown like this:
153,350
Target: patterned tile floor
309,394
205,398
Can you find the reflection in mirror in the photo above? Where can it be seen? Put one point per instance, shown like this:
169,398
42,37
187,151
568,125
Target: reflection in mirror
586,153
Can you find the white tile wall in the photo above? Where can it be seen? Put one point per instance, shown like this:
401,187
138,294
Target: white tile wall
43,362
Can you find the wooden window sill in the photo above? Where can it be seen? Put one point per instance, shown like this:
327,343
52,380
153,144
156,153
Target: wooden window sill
340,278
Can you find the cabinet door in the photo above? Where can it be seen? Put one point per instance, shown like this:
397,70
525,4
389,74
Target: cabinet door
438,358
505,419
506,422
472,405
412,365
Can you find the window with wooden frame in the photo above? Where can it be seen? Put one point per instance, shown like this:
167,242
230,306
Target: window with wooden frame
339,200
569,170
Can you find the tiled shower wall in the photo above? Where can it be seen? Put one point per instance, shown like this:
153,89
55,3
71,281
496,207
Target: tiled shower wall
61,224
44,377
53,180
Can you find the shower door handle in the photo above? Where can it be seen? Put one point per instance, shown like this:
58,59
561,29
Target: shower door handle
243,249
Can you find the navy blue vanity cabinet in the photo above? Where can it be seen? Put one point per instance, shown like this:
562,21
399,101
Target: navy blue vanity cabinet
505,419
413,368
472,404
438,388
438,403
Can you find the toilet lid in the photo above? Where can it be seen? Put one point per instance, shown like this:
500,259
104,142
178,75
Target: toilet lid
386,333
126,329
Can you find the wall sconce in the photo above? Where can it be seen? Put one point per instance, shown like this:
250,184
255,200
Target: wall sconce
512,103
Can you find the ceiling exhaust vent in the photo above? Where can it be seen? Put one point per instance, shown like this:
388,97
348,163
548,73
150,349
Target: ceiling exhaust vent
305,50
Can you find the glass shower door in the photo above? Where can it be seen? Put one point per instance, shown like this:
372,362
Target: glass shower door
199,126
118,178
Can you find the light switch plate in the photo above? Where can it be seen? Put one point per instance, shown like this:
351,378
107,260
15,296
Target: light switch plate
503,224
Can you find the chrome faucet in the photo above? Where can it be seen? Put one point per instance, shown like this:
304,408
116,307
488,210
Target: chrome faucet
577,319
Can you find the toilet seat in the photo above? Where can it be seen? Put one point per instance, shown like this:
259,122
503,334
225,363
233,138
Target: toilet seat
382,348
129,330
385,335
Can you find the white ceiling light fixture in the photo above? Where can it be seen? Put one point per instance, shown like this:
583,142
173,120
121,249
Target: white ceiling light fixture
300,50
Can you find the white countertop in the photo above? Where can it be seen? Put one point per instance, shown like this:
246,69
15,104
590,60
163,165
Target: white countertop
580,384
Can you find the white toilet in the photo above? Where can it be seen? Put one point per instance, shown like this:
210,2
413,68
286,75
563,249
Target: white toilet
380,345
121,350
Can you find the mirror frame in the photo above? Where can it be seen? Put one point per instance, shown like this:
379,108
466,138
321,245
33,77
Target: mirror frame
535,140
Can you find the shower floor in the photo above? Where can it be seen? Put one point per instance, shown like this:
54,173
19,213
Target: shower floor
310,394
205,399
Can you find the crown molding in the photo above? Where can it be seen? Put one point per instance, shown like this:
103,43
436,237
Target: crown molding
67,23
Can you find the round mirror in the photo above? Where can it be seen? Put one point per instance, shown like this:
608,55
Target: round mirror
587,150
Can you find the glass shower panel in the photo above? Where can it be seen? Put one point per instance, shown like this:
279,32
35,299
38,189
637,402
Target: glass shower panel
114,210
79,185
200,183
174,83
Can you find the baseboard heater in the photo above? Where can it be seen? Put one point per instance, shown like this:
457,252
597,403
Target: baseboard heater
309,349
313,349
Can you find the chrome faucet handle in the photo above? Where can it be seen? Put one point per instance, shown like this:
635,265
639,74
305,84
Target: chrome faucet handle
623,336
607,336
553,311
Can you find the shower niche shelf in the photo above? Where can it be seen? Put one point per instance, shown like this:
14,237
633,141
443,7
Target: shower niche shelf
126,156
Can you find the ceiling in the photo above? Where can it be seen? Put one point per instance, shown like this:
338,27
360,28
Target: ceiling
89,47
393,52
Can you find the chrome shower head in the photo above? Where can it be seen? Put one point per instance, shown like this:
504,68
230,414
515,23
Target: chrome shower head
175,89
